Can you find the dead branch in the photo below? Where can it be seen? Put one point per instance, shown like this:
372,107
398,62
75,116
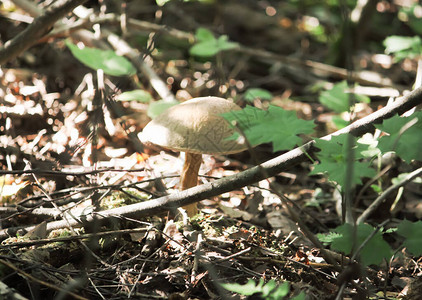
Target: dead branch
37,29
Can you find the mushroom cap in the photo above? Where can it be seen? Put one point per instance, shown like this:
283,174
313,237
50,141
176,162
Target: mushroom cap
194,126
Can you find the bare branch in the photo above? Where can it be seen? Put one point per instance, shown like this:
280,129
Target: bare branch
377,202
41,26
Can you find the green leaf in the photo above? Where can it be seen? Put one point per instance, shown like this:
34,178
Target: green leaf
403,47
337,98
328,238
247,289
368,255
107,60
402,176
395,44
412,233
333,162
157,107
269,291
404,136
372,143
268,288
204,35
301,296
207,45
135,95
254,93
275,125
376,188
339,122
204,49
413,15
281,292
223,43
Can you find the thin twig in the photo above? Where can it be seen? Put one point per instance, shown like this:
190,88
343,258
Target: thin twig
39,281
37,29
122,47
66,173
71,238
374,205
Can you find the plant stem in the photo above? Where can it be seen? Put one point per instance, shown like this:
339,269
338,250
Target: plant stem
189,178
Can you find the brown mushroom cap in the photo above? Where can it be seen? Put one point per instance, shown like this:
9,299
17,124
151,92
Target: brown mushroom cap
194,126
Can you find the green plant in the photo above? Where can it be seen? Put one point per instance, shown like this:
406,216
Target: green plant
270,291
257,93
332,160
341,239
338,98
403,47
254,124
402,136
107,60
135,95
411,15
207,45
413,238
157,107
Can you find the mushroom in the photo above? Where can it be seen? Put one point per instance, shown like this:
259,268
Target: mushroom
195,127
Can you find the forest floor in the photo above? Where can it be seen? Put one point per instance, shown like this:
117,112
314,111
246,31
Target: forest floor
65,155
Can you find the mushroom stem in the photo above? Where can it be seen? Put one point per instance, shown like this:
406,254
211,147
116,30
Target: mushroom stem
189,178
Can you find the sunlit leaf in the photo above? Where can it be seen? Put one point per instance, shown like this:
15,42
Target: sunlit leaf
396,43
338,98
204,35
207,45
157,107
107,60
247,289
257,93
135,95
275,125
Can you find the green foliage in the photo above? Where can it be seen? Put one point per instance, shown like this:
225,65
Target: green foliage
157,107
412,233
333,160
269,291
328,238
314,27
107,60
135,95
411,16
339,122
402,176
342,237
208,46
275,125
337,98
403,47
257,93
404,136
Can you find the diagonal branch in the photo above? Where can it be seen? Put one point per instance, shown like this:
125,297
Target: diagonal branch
271,167
41,26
